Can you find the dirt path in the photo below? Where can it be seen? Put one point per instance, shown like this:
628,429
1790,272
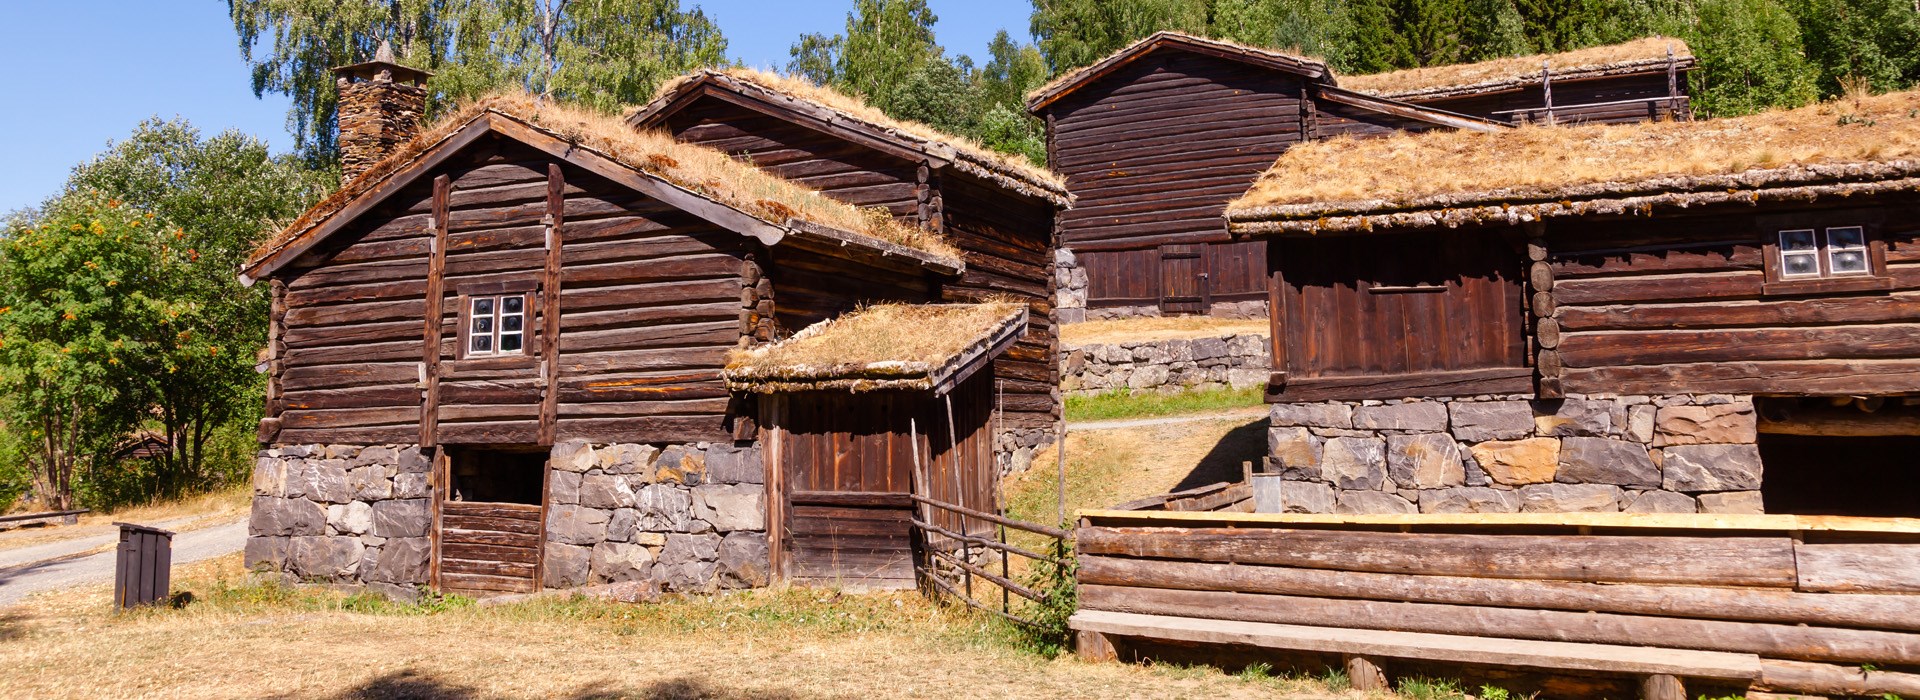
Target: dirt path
1248,413
60,568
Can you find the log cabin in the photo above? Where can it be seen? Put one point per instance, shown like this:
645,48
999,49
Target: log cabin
999,210
1155,139
1713,317
498,362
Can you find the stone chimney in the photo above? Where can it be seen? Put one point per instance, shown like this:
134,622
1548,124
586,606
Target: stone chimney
380,107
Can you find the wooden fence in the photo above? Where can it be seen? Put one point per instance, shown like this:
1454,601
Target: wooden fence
960,564
1584,604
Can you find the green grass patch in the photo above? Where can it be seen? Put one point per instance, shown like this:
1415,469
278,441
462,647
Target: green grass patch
1125,403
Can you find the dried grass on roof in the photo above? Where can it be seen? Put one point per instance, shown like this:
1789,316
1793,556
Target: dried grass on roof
880,342
1411,82
1074,74
1543,162
709,172
857,108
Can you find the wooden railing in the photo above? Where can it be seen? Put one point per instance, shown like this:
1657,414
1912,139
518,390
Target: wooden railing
949,566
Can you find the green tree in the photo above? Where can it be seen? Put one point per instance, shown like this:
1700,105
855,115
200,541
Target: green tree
602,53
887,44
211,201
1074,33
1750,58
1873,41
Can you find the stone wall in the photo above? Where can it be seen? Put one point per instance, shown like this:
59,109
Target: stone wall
1637,454
687,517
375,118
1014,448
343,514
1236,361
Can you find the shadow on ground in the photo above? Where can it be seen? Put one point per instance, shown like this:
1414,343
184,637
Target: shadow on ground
410,684
13,626
1247,443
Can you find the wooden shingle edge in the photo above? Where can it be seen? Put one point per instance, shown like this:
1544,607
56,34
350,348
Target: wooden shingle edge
1059,87
883,375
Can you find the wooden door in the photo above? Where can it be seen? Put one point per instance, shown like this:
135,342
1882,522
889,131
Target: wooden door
844,470
1183,279
485,545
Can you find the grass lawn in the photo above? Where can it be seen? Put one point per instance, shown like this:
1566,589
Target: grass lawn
1113,405
245,640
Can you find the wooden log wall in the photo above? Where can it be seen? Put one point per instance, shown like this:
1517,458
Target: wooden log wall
842,169
1680,306
1337,119
1009,251
1820,604
1619,99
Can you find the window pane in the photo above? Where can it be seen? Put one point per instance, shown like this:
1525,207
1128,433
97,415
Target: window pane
1846,237
510,323
482,324
511,305
509,342
483,307
1799,264
1797,240
482,343
1849,261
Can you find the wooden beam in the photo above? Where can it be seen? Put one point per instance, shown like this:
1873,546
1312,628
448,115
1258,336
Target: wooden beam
1516,522
550,302
1408,111
435,298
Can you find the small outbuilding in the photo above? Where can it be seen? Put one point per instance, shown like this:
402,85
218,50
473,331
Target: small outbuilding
1715,317
1636,81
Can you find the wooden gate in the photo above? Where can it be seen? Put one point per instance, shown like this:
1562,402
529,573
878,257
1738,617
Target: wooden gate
1183,278
488,548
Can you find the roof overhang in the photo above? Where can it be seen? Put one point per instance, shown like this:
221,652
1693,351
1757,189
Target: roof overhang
1314,71
939,378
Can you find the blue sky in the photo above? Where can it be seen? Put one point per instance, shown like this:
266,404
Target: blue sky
79,73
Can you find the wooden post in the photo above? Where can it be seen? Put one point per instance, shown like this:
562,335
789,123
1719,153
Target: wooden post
1364,676
1661,686
1546,89
1060,468
550,308
1546,328
1673,84
436,297
1094,646
959,493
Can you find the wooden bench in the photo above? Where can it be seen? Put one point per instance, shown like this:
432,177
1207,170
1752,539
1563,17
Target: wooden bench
1660,668
65,517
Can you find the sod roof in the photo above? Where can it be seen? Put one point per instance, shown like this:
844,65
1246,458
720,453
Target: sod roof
1639,55
884,346
704,171
1009,170
1458,177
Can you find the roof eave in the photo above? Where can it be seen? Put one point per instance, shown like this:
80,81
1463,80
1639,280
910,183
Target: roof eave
1046,96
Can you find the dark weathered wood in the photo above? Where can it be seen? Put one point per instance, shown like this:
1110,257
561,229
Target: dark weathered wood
1732,561
1363,675
550,311
430,339
1794,377
1462,383
1661,686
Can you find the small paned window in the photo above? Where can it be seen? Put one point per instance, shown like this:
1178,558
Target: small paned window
496,325
1835,252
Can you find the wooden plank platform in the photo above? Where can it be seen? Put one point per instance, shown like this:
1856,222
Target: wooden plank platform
1656,521
1419,646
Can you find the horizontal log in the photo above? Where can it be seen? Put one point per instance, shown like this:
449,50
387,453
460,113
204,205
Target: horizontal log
1872,309
1738,345
865,499
1646,288
1773,641
1826,679
1807,377
489,552
1721,561
1504,380
1859,568
489,509
1898,612
484,583
489,537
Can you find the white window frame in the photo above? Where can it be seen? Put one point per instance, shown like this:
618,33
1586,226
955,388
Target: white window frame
1831,250
1823,253
496,321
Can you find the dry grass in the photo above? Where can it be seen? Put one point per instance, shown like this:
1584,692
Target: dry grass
1541,162
856,108
1292,54
250,641
186,514
704,170
1516,69
1109,467
1127,330
883,341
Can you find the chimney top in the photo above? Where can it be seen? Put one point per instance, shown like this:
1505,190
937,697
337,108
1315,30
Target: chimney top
383,69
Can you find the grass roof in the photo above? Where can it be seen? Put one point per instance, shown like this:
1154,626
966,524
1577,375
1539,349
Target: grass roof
884,346
965,151
703,170
1341,182
1442,81
1046,92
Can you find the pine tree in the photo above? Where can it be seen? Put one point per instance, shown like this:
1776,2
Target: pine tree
1875,42
1750,58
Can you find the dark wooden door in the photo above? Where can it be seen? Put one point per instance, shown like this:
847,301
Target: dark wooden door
1183,278
845,471
489,548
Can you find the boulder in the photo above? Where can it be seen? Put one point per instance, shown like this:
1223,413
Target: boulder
627,459
1640,421
1480,421
565,565
1728,423
408,460
402,560
730,507
1148,377
371,483
563,487
1518,462
1425,461
266,553
354,518
605,491
1697,468
688,577
411,485
1418,416
1305,497
1573,417
270,477
664,508
412,517
1469,499
573,456
327,558
613,562
1353,463
1660,502
578,525
682,549
1587,460
620,526
1371,503
680,465
325,481
727,464
1733,503
1295,451
1570,498
377,455
286,516
743,560
1309,415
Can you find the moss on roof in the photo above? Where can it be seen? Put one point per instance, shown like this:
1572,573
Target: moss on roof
1850,139
1441,81
703,170
884,346
967,150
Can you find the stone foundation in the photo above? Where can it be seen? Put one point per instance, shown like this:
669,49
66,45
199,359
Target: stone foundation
1015,448
1070,287
1236,361
343,514
1636,454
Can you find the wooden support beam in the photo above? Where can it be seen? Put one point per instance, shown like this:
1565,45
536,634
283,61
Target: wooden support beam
435,299
1661,686
1365,676
1094,646
550,303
